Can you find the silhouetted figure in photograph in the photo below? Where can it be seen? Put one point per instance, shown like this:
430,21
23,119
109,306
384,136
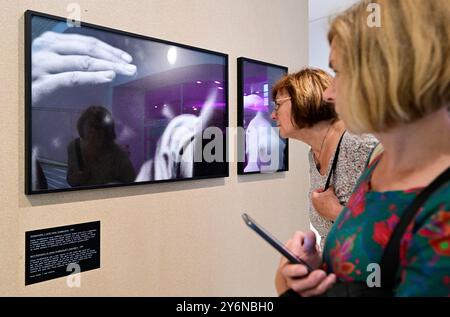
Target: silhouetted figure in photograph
95,158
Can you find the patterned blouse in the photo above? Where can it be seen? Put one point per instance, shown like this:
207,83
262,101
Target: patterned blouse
363,229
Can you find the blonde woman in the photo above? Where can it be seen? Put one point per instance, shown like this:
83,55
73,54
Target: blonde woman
392,81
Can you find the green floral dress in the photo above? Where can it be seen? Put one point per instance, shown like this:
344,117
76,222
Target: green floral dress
362,231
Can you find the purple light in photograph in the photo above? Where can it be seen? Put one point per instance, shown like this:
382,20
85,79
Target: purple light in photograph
217,82
199,82
220,88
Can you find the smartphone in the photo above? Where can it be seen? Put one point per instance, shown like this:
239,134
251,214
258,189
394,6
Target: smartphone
274,242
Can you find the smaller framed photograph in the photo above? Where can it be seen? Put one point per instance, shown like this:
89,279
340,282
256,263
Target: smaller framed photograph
261,149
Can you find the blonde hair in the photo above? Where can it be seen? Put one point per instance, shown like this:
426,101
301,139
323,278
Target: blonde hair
398,72
306,89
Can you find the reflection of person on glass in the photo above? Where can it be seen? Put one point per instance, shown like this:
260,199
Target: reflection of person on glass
62,61
95,158
262,143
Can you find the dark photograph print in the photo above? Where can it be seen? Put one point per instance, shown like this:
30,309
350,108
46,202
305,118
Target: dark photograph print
262,149
110,108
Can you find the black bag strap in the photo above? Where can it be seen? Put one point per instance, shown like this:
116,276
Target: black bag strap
390,261
333,167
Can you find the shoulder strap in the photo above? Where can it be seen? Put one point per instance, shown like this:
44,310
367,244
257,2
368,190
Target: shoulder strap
78,153
335,159
390,260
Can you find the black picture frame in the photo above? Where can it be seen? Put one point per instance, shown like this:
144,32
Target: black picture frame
262,75
215,64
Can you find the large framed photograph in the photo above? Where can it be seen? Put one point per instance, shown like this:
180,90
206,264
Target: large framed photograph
111,108
261,148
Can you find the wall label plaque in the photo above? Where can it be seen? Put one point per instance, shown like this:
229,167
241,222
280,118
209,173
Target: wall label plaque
50,252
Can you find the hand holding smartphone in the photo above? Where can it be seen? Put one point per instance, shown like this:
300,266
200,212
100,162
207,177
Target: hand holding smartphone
274,242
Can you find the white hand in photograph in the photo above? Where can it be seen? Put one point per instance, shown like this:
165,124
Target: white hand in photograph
62,60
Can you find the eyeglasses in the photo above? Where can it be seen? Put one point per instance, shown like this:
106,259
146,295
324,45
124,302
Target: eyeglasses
278,102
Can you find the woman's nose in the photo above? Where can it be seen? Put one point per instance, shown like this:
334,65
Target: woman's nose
273,115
